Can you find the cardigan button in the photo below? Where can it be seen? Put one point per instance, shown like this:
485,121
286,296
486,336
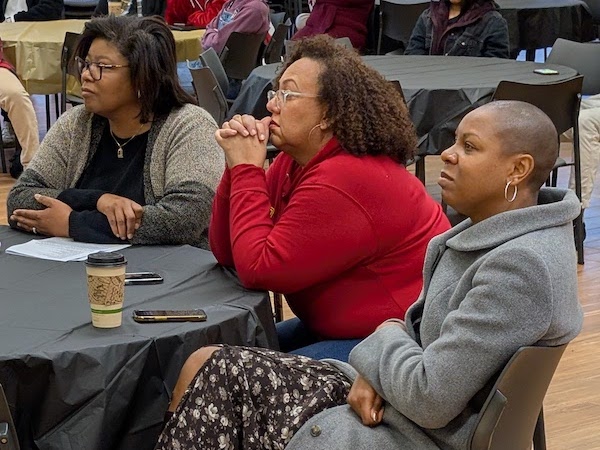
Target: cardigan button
315,431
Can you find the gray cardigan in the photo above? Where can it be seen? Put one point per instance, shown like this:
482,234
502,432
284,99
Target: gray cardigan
489,288
182,168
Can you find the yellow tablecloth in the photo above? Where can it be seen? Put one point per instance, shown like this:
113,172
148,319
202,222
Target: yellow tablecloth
37,48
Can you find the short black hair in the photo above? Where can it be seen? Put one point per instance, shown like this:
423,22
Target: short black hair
148,45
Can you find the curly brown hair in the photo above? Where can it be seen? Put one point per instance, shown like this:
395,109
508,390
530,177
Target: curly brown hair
367,114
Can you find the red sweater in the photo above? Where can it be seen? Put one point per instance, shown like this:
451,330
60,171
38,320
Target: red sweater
344,237
3,62
196,13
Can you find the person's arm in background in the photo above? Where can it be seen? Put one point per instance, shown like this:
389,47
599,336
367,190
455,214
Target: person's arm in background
496,44
44,10
202,18
177,11
249,19
416,43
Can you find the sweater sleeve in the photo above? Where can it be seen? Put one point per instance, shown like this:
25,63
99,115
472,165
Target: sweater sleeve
43,10
218,232
496,43
249,20
508,306
81,199
47,172
193,166
295,252
416,43
91,226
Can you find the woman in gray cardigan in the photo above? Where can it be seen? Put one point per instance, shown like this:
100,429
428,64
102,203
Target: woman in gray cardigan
138,161
502,279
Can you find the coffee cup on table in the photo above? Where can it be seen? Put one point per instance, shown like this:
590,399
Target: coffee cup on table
106,288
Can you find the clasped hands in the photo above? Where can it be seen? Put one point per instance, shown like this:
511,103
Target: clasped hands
244,140
124,216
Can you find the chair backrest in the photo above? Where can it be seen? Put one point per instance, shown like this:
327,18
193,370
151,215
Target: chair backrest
583,57
559,100
210,59
396,85
344,42
274,49
508,417
68,65
240,54
8,433
397,20
209,93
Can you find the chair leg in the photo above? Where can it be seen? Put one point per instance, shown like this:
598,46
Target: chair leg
56,106
47,112
578,229
2,154
420,169
539,435
278,306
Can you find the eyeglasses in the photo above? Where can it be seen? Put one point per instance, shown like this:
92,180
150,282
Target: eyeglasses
282,95
95,68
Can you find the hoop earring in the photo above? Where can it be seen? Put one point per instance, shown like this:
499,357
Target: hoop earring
311,131
514,196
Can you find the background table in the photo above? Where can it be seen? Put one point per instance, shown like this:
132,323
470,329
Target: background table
38,48
439,90
78,387
536,24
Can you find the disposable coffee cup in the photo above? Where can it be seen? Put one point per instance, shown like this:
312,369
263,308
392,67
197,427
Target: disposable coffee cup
114,8
106,288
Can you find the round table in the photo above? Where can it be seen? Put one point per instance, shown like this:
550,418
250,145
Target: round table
36,48
439,90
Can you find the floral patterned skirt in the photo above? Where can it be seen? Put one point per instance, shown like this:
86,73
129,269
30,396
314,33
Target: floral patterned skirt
252,398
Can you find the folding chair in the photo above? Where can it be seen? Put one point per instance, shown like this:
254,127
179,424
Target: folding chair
512,416
209,93
8,433
68,66
560,101
209,58
273,52
397,20
240,54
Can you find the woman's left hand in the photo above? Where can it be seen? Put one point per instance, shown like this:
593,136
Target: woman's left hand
243,139
51,221
366,402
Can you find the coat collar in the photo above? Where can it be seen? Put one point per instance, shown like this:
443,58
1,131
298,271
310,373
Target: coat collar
555,207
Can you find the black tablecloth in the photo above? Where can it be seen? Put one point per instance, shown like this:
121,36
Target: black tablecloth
439,90
536,24
76,387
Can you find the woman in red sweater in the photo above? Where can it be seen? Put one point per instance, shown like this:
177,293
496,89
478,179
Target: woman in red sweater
337,223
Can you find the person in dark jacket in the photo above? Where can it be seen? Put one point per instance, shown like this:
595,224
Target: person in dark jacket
460,28
31,10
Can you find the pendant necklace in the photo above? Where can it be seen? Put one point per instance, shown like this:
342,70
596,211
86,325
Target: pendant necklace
119,145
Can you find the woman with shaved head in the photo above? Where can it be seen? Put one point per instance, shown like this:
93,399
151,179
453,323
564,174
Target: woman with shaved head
502,279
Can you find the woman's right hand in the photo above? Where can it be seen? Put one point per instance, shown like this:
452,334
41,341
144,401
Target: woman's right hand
247,125
124,215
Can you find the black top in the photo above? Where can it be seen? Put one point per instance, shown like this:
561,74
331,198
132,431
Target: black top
106,173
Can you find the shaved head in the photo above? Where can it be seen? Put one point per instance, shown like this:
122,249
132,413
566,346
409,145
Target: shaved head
524,128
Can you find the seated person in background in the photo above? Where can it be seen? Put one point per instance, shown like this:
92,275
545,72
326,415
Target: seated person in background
137,162
339,18
460,28
589,146
15,100
502,279
31,10
243,16
197,13
149,8
337,223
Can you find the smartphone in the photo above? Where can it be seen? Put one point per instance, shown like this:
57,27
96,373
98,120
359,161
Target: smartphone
546,71
169,315
142,278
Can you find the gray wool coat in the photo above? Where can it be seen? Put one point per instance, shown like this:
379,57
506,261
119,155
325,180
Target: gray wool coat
489,288
182,168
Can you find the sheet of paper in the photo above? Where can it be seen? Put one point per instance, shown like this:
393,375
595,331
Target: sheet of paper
61,249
